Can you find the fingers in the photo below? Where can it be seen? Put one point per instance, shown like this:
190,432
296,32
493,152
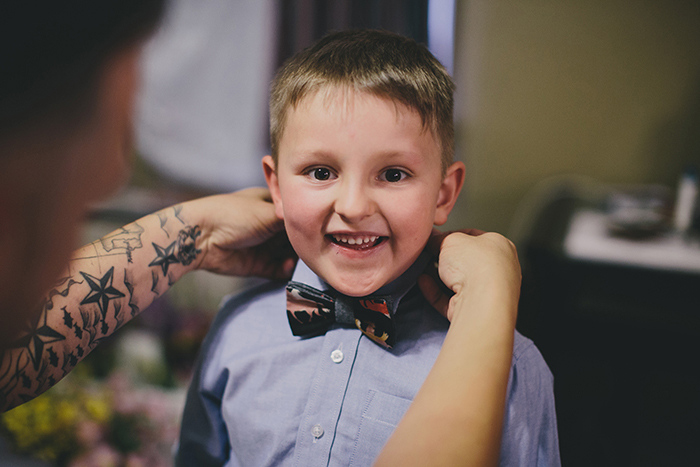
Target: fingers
437,237
433,294
435,241
288,268
275,270
282,256
261,204
276,226
287,258
255,192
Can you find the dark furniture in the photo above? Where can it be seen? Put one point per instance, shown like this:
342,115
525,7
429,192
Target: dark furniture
623,343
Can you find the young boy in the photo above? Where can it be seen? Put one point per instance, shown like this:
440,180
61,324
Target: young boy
361,169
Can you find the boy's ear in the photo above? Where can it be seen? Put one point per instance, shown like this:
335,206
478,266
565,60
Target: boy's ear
449,190
273,184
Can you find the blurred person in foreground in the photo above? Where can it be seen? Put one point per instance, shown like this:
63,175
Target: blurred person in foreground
66,104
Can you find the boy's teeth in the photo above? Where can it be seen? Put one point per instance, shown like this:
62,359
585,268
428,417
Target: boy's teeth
355,240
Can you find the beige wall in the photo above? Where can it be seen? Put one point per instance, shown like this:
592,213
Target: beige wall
608,89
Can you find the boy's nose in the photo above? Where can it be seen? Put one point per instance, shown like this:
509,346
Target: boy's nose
353,202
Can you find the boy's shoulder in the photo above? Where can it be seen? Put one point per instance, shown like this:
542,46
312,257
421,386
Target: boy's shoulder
264,294
529,365
531,409
250,314
525,350
264,297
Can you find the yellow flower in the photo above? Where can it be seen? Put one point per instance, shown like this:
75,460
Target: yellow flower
98,408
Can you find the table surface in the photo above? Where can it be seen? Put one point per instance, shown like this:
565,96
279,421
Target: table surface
588,239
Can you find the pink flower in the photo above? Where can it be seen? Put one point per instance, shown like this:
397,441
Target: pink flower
135,460
101,456
89,433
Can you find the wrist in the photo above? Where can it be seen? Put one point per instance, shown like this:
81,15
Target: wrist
486,303
193,235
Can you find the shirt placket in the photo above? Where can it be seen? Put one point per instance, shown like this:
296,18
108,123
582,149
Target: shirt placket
324,406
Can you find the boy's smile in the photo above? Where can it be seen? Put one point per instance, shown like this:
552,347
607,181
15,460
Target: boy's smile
359,185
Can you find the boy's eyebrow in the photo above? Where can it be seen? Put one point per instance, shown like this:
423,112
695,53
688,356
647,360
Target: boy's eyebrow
303,157
304,154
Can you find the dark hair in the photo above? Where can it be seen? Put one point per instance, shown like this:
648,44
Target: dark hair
51,52
380,63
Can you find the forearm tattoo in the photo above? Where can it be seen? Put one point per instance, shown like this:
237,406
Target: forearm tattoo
90,304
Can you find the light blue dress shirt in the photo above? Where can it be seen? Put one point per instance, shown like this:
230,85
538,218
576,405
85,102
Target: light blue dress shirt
261,396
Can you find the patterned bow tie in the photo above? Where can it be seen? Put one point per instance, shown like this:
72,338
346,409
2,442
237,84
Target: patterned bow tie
311,311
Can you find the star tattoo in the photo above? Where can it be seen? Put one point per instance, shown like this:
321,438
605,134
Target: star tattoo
166,257
35,341
101,291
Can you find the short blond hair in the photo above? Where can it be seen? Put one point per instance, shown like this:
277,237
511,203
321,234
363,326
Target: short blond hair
379,63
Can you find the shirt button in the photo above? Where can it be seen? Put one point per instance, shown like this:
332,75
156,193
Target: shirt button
337,356
317,431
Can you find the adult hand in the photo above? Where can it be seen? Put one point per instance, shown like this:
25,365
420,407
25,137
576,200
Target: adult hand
465,391
241,235
469,260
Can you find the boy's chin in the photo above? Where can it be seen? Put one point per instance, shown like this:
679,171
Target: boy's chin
355,292
355,288
360,282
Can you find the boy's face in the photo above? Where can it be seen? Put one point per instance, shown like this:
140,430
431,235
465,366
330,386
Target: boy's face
359,185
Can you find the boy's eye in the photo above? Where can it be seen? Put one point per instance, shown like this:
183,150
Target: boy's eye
393,175
321,173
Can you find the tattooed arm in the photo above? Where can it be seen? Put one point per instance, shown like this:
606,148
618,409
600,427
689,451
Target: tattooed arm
113,279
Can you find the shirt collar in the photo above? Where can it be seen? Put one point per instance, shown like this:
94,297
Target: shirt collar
392,292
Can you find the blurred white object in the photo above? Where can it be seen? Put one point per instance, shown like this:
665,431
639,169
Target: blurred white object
202,112
685,200
588,239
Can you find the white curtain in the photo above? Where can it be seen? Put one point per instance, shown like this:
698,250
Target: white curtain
202,112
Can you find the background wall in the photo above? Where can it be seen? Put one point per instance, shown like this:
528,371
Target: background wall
608,89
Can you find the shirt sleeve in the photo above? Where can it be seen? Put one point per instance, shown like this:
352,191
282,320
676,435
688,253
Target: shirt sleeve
203,435
530,435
